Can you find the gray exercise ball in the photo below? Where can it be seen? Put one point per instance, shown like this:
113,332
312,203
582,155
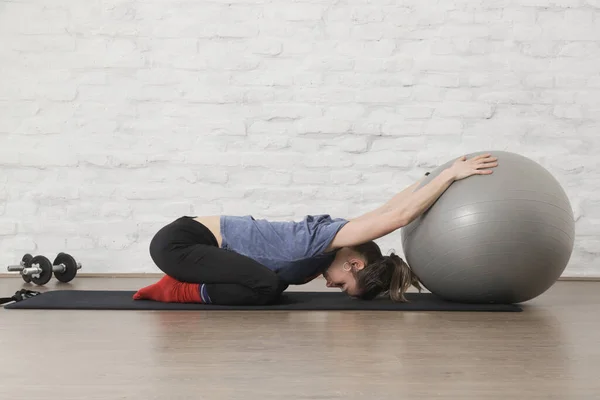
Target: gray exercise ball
500,238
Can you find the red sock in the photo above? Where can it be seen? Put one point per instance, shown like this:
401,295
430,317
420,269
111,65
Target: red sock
170,290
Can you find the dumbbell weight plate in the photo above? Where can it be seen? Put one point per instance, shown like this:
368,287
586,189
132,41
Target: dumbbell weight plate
46,267
70,267
26,260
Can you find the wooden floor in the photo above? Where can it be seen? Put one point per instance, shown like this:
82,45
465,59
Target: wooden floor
550,351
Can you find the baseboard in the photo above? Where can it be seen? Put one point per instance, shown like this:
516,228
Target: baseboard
99,275
580,278
159,275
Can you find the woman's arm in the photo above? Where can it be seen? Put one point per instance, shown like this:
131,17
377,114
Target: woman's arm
392,216
405,208
393,202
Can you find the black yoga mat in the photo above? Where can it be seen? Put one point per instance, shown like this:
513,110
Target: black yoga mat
122,300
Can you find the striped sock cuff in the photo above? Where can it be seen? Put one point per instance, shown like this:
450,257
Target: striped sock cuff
204,294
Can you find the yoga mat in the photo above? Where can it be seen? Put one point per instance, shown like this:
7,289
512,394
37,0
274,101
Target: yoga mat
122,300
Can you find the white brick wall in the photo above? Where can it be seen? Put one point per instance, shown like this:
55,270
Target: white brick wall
118,116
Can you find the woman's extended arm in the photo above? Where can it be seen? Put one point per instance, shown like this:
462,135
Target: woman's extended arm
398,199
408,206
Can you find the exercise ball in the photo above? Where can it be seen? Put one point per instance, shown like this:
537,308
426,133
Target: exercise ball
500,238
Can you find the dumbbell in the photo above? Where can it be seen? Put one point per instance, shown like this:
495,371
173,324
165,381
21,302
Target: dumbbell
25,263
39,270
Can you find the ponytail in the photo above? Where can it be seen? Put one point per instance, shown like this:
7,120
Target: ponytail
388,275
403,278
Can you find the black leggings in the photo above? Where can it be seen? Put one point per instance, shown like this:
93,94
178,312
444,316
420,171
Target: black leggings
187,250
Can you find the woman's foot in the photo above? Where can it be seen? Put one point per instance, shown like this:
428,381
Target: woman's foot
170,290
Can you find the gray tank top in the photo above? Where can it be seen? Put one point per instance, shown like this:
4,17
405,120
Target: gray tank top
293,249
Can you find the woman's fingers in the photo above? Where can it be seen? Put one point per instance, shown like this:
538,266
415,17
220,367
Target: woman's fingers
488,165
481,156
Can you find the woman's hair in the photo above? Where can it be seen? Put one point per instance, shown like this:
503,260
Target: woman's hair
388,275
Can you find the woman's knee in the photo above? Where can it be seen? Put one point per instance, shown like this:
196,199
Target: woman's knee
270,289
174,237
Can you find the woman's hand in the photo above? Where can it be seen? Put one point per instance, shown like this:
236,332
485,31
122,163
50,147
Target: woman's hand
479,165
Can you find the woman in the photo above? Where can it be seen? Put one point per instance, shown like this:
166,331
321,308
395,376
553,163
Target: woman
240,260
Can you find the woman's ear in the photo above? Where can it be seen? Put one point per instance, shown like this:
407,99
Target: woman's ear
357,264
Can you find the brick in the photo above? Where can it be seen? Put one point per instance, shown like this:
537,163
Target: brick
415,112
305,144
404,128
30,90
273,127
286,111
115,210
278,195
39,21
42,43
322,125
370,31
455,16
206,208
464,109
386,158
541,48
539,81
260,142
558,96
458,95
344,112
367,128
398,179
400,143
519,15
260,176
353,144
329,63
522,32
443,46
310,177
174,209
440,80
80,243
437,155
427,93
507,97
362,80
588,98
344,177
326,159
117,241
472,30
199,95
238,30
265,47
443,127
16,246
594,82
8,228
278,159
294,12
587,130
568,111
579,49
333,95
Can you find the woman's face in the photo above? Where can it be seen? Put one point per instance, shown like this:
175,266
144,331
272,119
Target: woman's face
341,272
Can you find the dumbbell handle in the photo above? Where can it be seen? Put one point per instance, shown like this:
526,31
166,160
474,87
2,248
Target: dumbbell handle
35,269
16,268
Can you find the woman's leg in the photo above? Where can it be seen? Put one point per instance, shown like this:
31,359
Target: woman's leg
188,252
